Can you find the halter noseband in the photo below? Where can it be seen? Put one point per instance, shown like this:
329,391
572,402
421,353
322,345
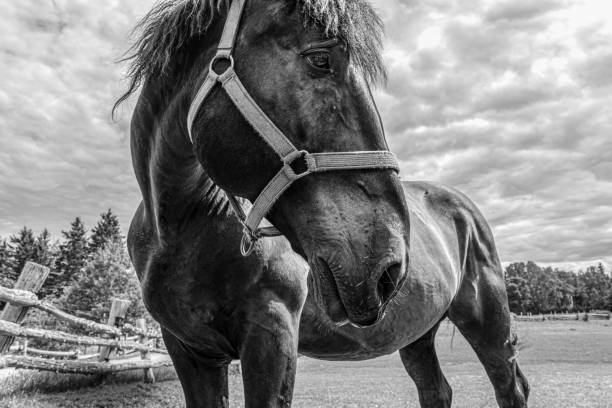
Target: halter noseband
289,154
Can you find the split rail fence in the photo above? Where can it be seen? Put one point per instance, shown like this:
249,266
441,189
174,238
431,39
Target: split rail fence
121,346
584,316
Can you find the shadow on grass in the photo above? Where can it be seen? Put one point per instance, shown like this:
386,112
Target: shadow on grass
29,381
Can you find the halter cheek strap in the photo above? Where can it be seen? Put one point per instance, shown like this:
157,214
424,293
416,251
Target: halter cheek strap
274,137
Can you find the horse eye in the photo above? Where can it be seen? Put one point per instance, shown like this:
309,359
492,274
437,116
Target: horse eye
319,60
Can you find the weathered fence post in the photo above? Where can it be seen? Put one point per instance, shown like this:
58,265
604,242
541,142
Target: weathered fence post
116,315
32,278
149,376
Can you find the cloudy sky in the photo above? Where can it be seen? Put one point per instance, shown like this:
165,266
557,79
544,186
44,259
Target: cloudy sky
508,100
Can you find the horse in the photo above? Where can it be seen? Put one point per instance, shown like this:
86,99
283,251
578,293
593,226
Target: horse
366,264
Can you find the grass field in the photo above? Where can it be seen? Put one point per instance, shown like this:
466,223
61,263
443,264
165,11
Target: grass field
569,365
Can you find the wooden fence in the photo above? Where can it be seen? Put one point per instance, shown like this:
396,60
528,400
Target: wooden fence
136,342
564,316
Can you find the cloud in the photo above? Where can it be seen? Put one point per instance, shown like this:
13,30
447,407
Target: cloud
62,155
519,10
505,100
509,102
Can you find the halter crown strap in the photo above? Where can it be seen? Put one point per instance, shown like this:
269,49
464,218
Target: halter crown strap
274,137
232,22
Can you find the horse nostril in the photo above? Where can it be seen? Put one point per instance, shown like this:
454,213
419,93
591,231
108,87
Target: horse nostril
388,282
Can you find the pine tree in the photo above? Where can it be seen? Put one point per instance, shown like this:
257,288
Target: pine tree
44,250
106,231
70,261
7,274
106,275
24,249
601,269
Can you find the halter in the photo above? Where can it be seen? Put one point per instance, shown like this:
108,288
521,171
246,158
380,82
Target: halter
288,153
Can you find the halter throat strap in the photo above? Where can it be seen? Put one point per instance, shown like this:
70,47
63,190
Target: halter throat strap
289,155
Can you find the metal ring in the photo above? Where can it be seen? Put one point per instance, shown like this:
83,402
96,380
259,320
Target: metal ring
293,157
220,57
247,244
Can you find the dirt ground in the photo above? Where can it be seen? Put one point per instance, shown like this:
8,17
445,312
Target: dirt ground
569,365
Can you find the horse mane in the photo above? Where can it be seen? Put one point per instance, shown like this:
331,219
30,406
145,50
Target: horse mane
170,24
163,33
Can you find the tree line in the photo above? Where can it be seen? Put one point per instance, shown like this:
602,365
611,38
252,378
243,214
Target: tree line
87,269
539,290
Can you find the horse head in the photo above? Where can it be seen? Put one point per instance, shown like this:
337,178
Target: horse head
302,69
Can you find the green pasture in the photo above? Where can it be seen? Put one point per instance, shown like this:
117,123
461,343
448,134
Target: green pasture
569,365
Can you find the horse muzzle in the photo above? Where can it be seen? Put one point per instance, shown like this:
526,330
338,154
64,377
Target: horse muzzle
359,290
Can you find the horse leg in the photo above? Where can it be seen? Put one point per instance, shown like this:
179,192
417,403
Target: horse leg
269,356
204,386
480,311
422,365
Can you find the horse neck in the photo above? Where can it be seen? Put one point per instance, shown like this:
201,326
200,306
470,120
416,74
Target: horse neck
174,185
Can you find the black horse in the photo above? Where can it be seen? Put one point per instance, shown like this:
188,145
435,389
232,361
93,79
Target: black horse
386,261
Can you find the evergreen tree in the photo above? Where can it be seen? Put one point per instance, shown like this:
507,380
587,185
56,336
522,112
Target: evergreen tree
106,231
601,269
70,261
7,274
44,250
24,249
106,275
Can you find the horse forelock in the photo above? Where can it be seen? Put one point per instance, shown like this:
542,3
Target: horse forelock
166,28
358,24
